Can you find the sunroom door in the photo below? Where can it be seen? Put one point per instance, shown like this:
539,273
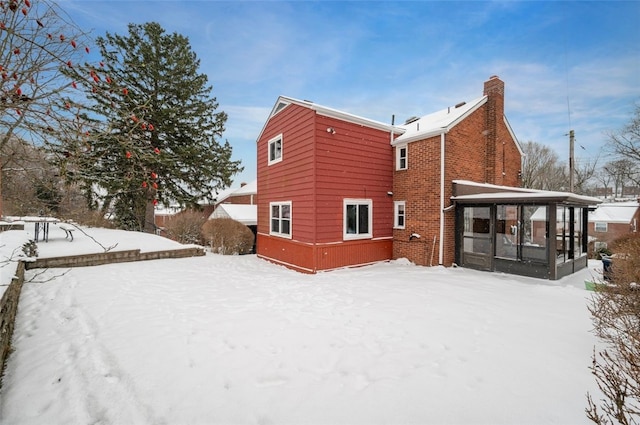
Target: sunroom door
477,240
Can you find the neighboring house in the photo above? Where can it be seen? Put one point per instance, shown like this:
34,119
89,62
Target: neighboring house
340,190
239,204
245,194
611,221
162,215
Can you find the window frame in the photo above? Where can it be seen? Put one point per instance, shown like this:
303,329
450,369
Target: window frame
397,214
399,157
598,245
271,142
358,202
595,226
280,219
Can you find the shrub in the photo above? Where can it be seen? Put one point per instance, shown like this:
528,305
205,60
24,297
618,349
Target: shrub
227,236
615,313
186,227
603,251
30,248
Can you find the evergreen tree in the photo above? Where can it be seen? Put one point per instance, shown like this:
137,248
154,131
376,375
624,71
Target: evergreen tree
160,128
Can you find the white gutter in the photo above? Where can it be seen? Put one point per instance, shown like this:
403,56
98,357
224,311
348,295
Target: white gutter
441,244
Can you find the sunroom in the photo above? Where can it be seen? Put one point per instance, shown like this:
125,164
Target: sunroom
527,232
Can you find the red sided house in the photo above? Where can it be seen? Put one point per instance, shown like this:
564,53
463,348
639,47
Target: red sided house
340,190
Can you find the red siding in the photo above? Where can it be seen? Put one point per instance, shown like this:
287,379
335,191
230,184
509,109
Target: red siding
292,178
310,258
355,162
318,171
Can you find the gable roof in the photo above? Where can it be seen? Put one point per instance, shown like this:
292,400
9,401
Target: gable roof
438,122
283,102
245,214
250,188
617,212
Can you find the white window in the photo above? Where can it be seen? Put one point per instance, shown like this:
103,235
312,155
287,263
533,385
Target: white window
600,226
597,246
401,157
280,217
358,218
399,214
275,149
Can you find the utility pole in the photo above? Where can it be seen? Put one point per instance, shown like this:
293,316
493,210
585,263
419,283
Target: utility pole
571,161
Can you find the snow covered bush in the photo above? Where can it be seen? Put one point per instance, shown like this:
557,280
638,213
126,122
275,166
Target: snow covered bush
615,311
186,227
227,236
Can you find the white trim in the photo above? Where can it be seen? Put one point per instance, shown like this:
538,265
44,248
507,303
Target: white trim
399,157
328,112
272,141
290,218
442,170
355,236
396,215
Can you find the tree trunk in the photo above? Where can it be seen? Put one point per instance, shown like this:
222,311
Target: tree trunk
150,217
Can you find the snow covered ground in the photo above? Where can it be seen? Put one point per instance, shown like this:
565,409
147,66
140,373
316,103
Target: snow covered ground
237,340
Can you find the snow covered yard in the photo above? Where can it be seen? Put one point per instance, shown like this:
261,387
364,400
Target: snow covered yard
237,340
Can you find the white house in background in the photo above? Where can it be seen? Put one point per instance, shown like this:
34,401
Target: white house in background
611,221
246,194
239,204
245,214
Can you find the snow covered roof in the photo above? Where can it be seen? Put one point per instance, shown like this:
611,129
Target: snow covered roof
485,192
437,122
170,210
248,189
245,214
617,212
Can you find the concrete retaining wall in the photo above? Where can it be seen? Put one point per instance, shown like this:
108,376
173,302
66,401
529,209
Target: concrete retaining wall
8,310
112,257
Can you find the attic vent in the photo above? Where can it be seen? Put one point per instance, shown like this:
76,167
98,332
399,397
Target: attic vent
460,104
410,120
280,106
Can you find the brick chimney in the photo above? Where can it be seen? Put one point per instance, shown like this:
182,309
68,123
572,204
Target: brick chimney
494,90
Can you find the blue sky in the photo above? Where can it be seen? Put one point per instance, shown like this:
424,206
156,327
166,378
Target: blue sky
566,64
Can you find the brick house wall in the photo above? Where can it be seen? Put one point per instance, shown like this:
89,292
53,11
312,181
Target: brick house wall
615,229
479,148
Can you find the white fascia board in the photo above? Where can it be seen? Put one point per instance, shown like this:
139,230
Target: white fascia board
513,136
420,136
331,113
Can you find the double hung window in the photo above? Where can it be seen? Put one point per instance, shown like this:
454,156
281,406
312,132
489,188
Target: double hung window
275,149
280,217
399,214
401,157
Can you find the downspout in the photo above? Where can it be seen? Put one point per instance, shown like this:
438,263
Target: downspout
441,243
